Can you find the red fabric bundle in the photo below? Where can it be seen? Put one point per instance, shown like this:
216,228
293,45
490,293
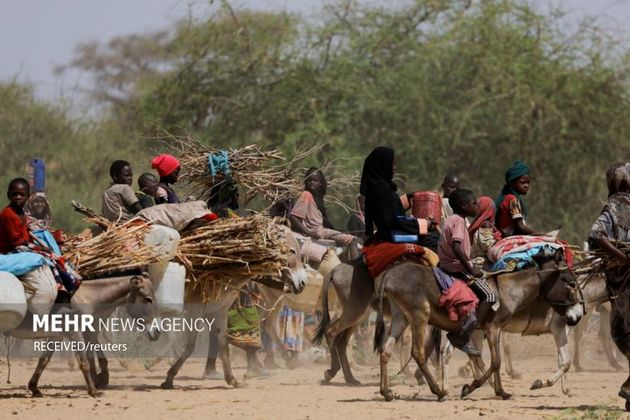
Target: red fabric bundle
459,300
380,255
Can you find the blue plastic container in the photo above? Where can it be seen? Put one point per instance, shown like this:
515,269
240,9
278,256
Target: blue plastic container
37,175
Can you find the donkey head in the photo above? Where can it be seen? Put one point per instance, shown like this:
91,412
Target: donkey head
142,302
559,287
294,275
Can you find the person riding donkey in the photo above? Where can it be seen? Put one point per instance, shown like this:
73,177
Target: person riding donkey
148,186
455,260
450,183
511,215
119,202
385,210
47,274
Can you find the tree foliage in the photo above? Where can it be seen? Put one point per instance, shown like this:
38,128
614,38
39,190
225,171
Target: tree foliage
77,153
452,85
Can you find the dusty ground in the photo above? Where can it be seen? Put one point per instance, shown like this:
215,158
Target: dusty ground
136,393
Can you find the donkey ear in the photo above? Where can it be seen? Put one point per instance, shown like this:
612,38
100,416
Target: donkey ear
558,257
540,257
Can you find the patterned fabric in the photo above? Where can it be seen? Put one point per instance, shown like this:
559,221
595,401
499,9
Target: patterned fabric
614,221
520,243
510,210
380,255
33,222
291,329
614,224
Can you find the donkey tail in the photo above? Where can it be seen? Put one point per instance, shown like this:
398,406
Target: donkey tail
380,321
320,332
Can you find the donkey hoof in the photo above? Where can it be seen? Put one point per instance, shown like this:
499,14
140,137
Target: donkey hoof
388,395
466,390
94,393
443,397
504,395
536,385
627,405
233,382
327,376
36,393
353,382
102,381
167,385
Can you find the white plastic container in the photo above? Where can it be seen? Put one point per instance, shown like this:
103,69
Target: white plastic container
170,290
165,241
12,301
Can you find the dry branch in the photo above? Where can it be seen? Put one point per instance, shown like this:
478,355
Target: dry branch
259,172
229,250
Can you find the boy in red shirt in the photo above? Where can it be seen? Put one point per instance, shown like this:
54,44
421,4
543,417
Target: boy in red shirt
13,229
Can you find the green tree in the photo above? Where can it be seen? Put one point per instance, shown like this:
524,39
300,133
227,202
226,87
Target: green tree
453,85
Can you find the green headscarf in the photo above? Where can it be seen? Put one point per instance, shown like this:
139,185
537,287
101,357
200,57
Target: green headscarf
517,170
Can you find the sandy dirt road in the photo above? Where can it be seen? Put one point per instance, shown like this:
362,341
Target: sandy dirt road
297,394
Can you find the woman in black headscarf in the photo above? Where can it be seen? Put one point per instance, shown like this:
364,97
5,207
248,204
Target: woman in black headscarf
384,209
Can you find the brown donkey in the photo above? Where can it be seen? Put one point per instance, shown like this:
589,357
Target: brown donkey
414,290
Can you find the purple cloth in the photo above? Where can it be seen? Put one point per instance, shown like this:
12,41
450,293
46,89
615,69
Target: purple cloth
444,280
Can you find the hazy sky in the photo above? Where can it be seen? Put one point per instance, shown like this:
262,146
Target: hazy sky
38,35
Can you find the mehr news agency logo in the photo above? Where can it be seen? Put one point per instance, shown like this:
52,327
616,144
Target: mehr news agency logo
87,323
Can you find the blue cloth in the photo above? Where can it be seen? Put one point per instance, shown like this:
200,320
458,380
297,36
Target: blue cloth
219,162
444,280
47,239
516,261
21,263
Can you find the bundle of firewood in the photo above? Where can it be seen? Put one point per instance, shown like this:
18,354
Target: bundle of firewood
229,250
117,250
267,173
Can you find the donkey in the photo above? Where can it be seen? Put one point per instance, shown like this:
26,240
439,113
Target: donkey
294,277
414,289
539,318
93,297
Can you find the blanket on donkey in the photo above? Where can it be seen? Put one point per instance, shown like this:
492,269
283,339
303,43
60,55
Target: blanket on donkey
380,255
517,252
